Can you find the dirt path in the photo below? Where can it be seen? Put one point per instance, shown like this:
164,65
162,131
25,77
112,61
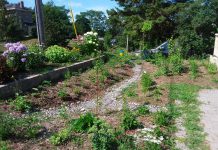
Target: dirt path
209,107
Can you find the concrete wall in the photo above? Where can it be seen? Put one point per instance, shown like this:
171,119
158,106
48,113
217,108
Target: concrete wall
30,82
214,57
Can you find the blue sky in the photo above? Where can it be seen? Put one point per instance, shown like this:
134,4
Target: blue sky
78,5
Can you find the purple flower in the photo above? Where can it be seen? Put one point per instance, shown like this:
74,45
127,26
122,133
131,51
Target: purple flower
23,60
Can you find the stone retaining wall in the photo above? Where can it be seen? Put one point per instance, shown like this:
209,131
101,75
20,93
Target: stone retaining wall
30,82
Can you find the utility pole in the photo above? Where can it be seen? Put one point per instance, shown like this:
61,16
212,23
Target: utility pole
127,42
40,22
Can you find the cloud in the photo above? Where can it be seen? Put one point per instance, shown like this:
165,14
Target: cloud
76,4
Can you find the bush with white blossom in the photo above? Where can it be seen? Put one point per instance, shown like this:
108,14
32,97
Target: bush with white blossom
91,42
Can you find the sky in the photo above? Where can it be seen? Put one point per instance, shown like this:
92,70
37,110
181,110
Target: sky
77,5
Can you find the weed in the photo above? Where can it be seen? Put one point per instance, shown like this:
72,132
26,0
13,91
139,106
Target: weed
21,104
142,110
193,68
130,91
46,83
60,137
152,146
84,123
62,94
176,64
215,79
67,75
3,145
163,118
146,82
63,113
211,68
77,90
129,120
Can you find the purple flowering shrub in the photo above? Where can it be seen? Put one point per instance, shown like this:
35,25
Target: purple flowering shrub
16,55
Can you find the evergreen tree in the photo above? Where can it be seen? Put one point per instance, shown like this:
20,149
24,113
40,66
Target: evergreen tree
3,21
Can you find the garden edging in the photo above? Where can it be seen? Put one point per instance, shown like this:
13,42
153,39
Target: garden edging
26,84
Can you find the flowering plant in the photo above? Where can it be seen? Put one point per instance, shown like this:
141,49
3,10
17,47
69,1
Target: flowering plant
16,55
91,42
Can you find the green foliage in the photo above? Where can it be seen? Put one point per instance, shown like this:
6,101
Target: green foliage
3,145
84,123
21,104
101,71
147,26
61,137
35,58
57,24
176,63
163,118
129,120
142,110
152,146
57,54
130,91
193,68
211,68
103,136
62,94
146,82
18,127
5,71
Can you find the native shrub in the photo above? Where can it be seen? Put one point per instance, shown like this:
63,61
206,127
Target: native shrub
91,43
57,54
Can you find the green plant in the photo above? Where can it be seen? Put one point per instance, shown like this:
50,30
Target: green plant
103,136
60,137
193,68
77,90
146,82
152,146
3,145
84,123
21,104
142,110
35,57
62,94
130,91
126,142
163,118
211,68
63,113
57,54
176,63
129,120
67,75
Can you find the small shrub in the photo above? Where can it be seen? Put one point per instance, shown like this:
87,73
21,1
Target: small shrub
84,123
21,104
103,136
5,71
193,68
212,68
142,110
129,120
176,64
35,57
91,43
61,137
146,82
57,54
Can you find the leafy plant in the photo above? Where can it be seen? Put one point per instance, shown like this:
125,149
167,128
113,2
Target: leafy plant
152,146
176,63
193,68
211,68
57,54
61,137
35,57
142,110
128,121
84,123
163,118
3,145
62,94
130,91
103,136
146,82
21,104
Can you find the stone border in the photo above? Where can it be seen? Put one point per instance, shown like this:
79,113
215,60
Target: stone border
26,84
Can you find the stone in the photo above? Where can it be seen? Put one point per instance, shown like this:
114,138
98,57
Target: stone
214,57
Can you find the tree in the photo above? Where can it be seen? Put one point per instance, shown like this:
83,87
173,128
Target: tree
197,25
57,24
2,19
97,20
82,25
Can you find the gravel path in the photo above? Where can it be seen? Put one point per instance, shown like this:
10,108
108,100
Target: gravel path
209,107
110,102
